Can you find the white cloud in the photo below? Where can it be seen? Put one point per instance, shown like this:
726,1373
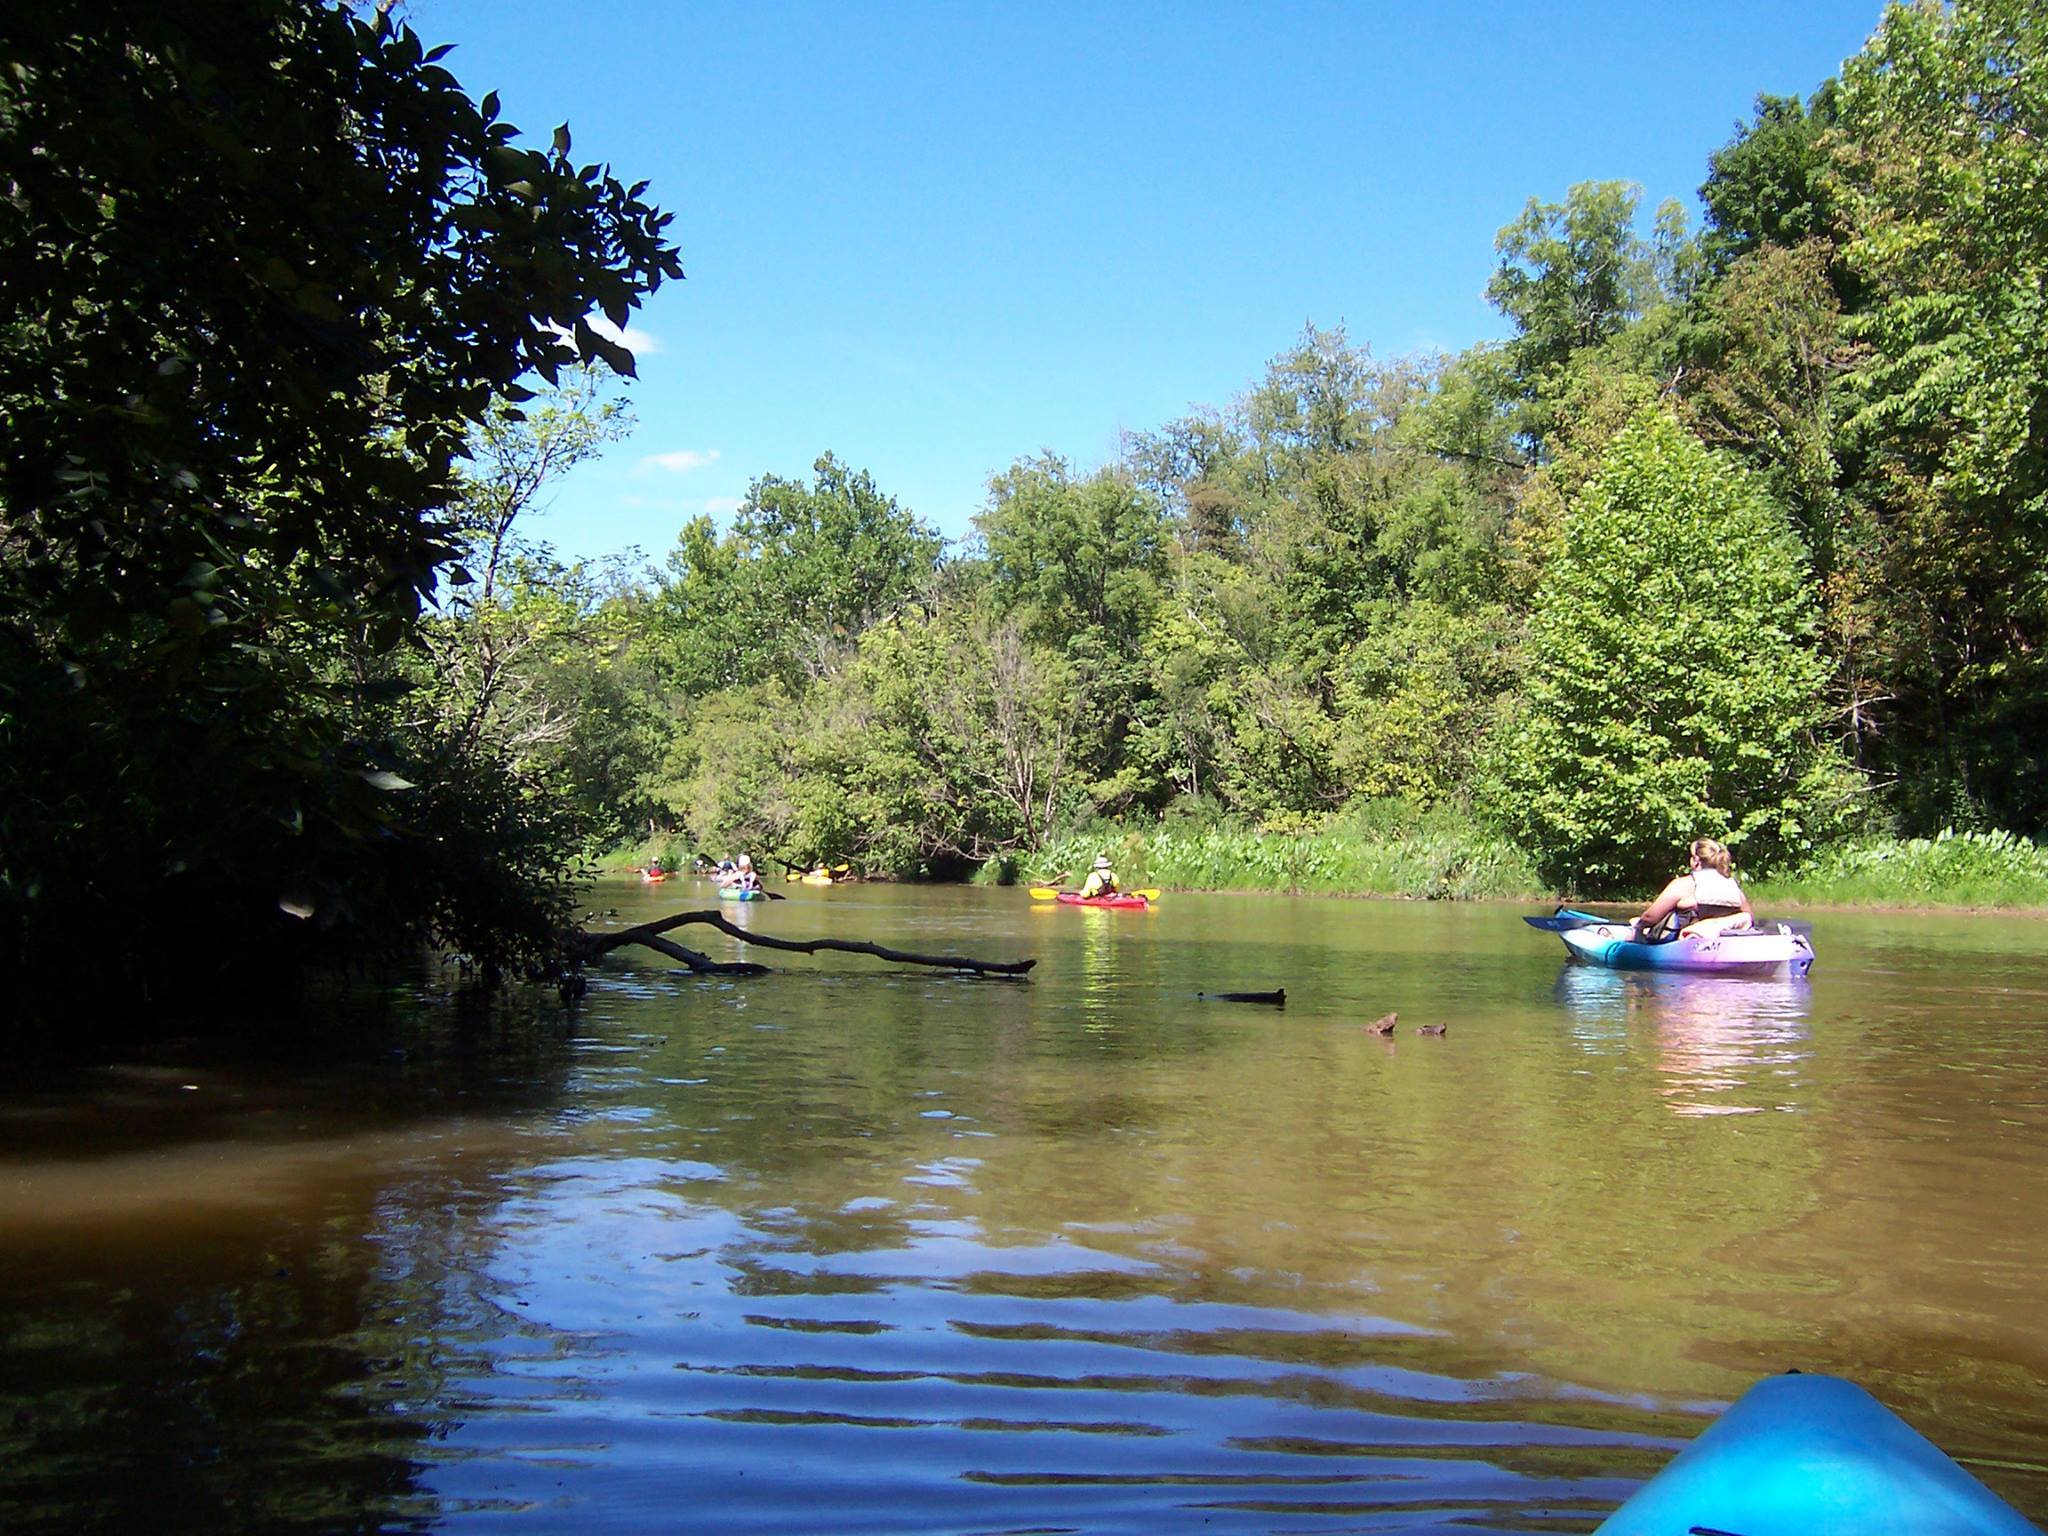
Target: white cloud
682,461
722,506
638,342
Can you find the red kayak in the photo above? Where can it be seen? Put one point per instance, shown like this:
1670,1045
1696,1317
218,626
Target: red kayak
1076,899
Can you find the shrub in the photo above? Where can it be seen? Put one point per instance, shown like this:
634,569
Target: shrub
1674,687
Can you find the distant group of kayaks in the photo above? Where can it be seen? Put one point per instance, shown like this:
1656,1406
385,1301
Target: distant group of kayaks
738,881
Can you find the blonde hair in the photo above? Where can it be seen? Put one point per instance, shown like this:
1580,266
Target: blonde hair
1712,854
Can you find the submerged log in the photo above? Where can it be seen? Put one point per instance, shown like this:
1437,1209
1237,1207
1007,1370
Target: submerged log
589,946
1277,999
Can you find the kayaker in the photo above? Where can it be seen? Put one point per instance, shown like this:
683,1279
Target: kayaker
1101,879
1703,901
744,876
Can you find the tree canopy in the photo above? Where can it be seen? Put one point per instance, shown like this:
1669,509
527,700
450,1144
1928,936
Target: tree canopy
264,267
1674,688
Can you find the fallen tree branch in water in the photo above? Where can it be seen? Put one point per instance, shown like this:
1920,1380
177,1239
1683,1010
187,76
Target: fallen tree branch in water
590,946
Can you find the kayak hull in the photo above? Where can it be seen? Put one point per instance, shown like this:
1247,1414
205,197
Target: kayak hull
729,894
1774,951
1121,903
1808,1455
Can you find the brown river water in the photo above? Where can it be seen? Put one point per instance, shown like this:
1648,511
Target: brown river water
859,1248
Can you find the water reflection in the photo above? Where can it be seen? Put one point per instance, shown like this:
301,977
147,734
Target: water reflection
1725,1045
850,1247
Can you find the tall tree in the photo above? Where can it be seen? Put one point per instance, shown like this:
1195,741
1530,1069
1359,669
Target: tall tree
1674,688
1575,274
803,572
1943,177
1769,185
263,266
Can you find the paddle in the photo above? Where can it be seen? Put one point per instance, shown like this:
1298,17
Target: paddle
1567,919
1047,893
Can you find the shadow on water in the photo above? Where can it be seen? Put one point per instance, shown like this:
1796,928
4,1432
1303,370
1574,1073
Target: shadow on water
231,1276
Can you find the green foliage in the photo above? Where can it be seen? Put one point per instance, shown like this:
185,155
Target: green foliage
266,268
1069,554
1378,848
1576,274
1674,690
1941,175
1769,185
1979,869
804,570
1418,699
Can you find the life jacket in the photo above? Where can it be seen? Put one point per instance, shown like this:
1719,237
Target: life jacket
1713,895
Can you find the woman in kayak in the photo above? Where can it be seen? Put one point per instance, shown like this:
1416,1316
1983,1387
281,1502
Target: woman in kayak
1705,899
743,877
1101,879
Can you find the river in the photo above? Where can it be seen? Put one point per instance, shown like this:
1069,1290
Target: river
854,1247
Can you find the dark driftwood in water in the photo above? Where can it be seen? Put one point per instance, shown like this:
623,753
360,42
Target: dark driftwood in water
703,965
590,946
1276,999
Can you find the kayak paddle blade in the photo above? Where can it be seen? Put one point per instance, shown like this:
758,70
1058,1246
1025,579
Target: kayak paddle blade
1564,920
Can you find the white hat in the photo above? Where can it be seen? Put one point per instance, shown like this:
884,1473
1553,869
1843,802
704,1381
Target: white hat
1102,861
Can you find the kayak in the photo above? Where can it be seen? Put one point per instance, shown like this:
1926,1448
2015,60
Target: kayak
1803,1455
1076,899
1774,950
734,893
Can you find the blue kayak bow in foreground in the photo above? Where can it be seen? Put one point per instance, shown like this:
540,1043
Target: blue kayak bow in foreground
1813,1456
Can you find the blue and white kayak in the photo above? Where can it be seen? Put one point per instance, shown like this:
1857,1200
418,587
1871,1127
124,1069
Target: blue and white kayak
1772,950
734,893
1813,1456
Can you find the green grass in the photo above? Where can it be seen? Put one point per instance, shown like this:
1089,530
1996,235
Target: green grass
674,852
1953,869
1381,849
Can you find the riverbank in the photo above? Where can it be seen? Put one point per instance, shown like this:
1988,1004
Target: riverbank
1954,871
1444,855
1383,849
1393,851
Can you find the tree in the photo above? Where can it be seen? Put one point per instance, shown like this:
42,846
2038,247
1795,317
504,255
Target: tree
511,600
1674,690
1575,274
263,267
1418,698
1072,554
1942,177
803,573
1769,185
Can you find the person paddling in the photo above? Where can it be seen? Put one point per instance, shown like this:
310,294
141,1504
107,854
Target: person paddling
1705,899
1101,879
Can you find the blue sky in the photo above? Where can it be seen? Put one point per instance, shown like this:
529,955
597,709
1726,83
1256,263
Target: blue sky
934,238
